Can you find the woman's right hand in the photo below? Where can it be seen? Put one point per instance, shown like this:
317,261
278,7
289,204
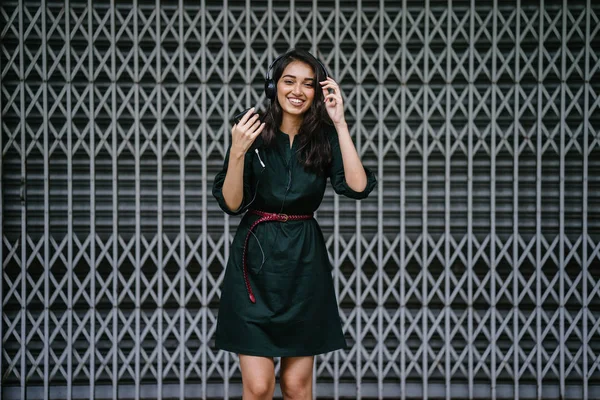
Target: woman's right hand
245,132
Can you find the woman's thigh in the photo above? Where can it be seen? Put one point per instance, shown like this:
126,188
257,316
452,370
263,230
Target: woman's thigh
296,377
258,376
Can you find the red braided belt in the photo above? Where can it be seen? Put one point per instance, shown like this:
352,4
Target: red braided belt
264,217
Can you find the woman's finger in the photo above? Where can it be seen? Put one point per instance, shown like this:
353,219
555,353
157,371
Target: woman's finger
254,127
258,131
251,121
246,116
330,84
330,89
333,96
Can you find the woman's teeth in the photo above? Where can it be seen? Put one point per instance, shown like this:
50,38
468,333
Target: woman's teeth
296,102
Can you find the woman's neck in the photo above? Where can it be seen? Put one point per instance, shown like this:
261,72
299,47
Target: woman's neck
291,125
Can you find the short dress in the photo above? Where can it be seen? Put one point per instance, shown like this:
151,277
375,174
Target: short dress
296,312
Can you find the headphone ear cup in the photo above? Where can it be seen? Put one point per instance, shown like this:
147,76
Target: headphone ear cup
270,89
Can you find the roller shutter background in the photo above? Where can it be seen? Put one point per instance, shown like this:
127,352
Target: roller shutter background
472,271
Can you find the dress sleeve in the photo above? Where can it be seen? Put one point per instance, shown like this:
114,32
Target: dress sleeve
248,194
338,177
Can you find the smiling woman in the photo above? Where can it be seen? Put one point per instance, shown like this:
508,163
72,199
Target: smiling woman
297,106
295,93
278,298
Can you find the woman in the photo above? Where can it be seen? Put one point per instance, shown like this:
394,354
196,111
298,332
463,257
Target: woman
277,297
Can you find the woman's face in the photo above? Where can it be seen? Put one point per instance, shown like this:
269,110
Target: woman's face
296,88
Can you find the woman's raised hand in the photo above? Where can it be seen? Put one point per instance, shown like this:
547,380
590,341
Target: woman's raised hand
245,132
334,104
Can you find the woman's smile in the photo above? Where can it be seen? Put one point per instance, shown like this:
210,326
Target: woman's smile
296,102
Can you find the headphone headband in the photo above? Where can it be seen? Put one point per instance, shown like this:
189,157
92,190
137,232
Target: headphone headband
273,64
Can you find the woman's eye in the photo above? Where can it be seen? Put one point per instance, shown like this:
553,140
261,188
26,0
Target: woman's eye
308,85
288,82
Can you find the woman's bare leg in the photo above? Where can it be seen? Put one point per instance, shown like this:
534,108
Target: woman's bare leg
296,377
258,377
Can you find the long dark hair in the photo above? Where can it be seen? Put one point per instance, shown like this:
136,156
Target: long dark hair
314,150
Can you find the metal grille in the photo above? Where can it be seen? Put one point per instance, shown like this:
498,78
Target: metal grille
473,270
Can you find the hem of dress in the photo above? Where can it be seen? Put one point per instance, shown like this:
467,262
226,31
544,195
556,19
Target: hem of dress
249,352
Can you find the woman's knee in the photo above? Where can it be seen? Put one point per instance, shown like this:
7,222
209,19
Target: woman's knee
296,377
293,389
260,388
258,377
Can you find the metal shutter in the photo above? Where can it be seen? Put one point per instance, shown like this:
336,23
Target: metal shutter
473,270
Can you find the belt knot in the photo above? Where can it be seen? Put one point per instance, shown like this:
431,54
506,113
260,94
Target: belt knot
283,217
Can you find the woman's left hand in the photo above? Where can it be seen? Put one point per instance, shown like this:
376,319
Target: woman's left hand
333,101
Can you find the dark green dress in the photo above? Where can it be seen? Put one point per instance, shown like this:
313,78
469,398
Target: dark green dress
296,312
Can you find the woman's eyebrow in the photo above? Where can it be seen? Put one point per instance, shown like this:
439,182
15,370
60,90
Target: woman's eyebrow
292,76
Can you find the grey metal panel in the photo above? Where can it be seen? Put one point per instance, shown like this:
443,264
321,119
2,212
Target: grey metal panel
471,272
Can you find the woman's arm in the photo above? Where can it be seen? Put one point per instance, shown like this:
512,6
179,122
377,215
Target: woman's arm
356,177
233,187
353,168
243,135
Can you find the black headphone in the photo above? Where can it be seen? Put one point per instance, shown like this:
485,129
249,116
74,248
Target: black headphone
271,85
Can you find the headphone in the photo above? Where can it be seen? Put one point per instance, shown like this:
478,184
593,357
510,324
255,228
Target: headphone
271,85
